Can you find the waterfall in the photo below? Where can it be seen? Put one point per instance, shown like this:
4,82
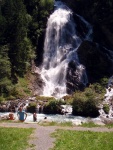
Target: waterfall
60,48
108,101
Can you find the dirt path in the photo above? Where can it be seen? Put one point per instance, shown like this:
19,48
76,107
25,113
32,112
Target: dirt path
41,139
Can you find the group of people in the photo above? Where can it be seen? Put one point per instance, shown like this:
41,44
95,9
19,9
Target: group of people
22,115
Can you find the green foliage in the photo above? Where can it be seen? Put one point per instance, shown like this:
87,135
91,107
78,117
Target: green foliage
39,10
16,20
14,138
2,99
106,108
31,107
2,28
21,89
98,88
46,4
68,99
44,98
5,71
22,22
53,107
104,81
85,103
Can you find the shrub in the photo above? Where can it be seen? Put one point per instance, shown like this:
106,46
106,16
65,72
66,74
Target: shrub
2,99
85,103
106,108
68,99
78,104
53,107
31,107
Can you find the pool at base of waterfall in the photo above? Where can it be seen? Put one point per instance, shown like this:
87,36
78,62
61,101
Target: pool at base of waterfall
76,120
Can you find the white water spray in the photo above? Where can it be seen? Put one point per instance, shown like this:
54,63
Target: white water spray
60,48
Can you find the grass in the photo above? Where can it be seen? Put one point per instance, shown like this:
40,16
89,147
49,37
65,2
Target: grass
82,140
90,125
110,125
53,123
14,138
9,121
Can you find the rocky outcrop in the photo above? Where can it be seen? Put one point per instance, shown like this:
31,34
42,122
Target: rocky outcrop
100,15
97,60
72,78
36,82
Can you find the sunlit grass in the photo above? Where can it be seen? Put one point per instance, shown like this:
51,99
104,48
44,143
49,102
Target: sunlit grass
110,125
9,121
82,140
90,125
53,123
14,138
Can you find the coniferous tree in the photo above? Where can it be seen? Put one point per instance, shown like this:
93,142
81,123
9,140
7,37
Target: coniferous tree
16,35
39,10
5,71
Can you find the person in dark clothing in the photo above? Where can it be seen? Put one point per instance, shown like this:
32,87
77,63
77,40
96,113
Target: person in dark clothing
34,117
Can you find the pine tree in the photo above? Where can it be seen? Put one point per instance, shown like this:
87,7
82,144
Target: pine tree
16,35
5,71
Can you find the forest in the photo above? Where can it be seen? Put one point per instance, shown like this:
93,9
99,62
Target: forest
22,26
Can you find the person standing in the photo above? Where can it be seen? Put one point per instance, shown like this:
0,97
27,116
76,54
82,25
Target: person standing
22,115
34,117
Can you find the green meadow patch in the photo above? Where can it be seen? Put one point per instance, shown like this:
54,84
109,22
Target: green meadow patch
83,140
90,125
53,123
14,138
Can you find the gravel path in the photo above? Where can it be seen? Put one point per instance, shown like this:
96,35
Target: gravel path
41,138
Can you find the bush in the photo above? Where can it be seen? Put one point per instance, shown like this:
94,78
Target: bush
53,107
85,103
106,108
2,99
32,107
78,104
68,99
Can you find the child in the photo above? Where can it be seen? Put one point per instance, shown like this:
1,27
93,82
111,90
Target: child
34,117
11,116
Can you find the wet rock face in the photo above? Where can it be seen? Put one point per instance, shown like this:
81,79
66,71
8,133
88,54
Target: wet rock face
37,84
98,13
72,78
96,59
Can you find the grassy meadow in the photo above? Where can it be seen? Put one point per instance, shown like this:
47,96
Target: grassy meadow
14,138
83,140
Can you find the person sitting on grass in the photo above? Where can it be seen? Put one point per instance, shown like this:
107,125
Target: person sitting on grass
11,116
22,115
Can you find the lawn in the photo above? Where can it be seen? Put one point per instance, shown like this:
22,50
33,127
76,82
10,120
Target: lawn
83,140
14,138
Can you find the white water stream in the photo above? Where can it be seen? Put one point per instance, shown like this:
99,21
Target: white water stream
76,120
108,100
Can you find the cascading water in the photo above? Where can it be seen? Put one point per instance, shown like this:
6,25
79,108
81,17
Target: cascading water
108,101
60,48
